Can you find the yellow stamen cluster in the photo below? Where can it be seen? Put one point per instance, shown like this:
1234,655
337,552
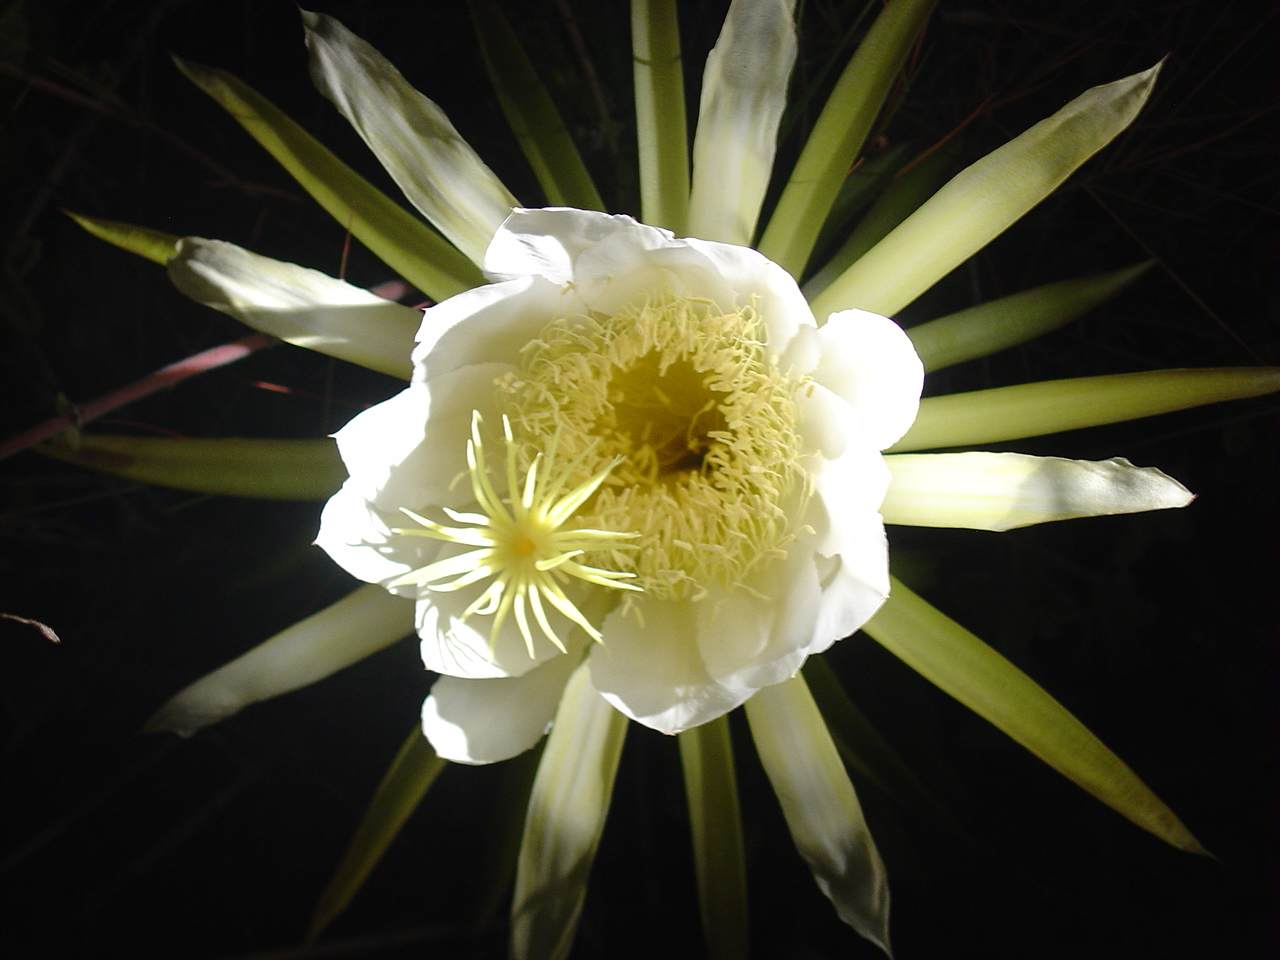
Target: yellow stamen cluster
702,423
521,542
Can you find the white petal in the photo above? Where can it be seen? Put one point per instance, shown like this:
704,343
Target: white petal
854,587
358,537
304,307
849,491
547,242
751,640
655,673
854,567
781,304
408,450
869,361
488,324
351,629
1001,491
461,648
820,806
411,136
611,262
484,721
744,89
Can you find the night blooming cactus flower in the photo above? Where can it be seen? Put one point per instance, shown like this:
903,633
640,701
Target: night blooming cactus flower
633,449
639,472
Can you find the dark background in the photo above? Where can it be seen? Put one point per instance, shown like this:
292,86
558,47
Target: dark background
1158,630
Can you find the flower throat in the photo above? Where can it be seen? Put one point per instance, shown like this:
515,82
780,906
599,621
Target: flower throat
703,424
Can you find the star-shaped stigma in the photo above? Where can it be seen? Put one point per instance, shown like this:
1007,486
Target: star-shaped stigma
519,542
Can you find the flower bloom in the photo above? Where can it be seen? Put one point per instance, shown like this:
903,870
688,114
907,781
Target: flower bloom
692,478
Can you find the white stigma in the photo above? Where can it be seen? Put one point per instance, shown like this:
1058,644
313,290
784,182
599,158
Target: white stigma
520,543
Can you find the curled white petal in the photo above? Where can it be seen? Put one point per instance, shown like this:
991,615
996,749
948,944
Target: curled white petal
410,135
870,362
304,307
484,721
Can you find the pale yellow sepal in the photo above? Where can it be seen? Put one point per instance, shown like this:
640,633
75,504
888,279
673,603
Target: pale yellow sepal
1032,409
401,789
566,815
661,139
410,135
744,90
360,624
983,200
839,133
959,664
232,466
300,306
987,328
401,241
820,805
154,245
1001,491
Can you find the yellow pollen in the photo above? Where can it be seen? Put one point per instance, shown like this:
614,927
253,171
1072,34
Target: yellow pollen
703,425
520,544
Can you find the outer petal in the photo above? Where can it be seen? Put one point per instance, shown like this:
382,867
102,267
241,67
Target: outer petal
1001,491
753,640
854,587
483,721
854,561
869,361
461,648
692,662
437,170
613,261
848,493
304,307
358,537
488,324
654,673
408,450
547,242
744,89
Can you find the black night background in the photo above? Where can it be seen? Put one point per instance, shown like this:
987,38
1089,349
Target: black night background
1158,630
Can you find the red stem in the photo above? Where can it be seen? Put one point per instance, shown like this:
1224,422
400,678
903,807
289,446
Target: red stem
165,377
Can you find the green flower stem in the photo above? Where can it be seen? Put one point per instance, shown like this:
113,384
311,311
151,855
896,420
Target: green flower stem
153,245
532,114
402,788
271,469
711,788
1033,409
567,810
399,239
997,325
901,198
661,132
985,199
840,132
961,665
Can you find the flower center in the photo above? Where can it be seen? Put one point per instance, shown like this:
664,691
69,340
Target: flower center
702,423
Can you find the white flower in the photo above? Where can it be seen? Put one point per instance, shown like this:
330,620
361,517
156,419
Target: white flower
676,425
